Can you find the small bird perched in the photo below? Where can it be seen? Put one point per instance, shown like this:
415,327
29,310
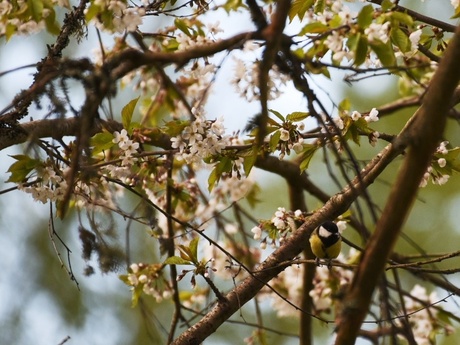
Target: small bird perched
326,242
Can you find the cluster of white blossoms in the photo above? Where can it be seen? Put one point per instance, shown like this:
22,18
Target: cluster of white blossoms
424,320
372,116
335,41
96,195
379,32
124,17
12,22
326,285
201,139
222,265
436,177
128,149
150,278
283,222
246,76
49,186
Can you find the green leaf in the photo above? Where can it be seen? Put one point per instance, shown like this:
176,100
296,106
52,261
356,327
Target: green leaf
137,292
306,156
320,5
182,26
176,260
249,161
365,16
253,196
36,9
345,105
386,5
277,114
313,27
52,26
299,8
124,279
224,165
274,140
457,13
186,253
400,39
232,5
92,12
127,112
402,18
213,178
350,130
297,116
20,169
101,142
452,160
361,50
175,127
384,52
194,247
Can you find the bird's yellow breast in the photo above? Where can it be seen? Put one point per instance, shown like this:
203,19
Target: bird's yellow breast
321,251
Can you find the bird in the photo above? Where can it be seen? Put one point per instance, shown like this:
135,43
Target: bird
326,242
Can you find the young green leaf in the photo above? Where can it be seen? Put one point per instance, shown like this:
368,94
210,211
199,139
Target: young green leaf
400,39
384,52
21,168
365,16
277,114
194,247
101,142
249,161
182,26
176,260
297,116
274,140
306,156
36,9
361,50
127,113
299,8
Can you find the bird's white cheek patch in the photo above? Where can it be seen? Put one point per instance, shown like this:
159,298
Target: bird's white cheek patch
323,232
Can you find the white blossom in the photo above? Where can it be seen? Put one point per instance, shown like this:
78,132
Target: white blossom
257,231
284,134
355,115
372,116
442,148
414,38
378,32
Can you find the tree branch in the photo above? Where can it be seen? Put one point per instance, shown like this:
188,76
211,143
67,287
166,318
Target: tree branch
423,135
270,268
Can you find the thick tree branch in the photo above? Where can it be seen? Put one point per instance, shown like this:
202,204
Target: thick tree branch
423,136
272,34
130,59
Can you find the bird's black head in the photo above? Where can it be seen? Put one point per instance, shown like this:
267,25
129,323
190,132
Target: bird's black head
330,226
